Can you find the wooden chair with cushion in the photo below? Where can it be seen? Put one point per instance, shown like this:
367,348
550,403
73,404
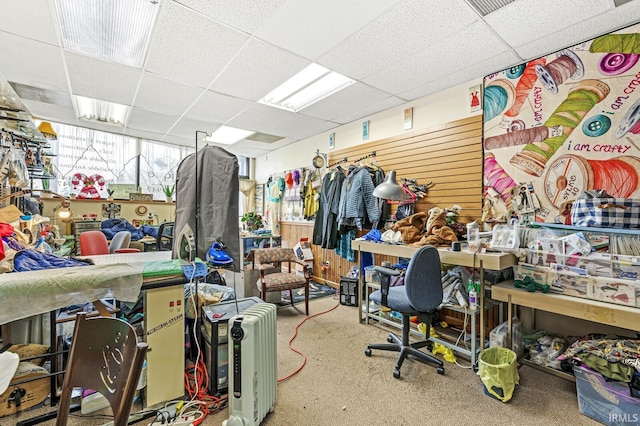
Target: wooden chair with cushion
105,356
265,259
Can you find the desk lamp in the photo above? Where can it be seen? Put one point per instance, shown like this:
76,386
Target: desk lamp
390,189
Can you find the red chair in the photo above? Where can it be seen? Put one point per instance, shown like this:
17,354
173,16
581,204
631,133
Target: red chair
95,243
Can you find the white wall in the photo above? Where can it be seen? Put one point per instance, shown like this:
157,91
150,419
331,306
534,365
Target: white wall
442,107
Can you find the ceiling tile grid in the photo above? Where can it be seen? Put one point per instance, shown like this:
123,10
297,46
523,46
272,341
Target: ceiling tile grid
108,81
310,29
159,94
189,47
272,64
209,61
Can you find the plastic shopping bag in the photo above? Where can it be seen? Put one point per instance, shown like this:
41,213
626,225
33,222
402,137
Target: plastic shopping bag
498,370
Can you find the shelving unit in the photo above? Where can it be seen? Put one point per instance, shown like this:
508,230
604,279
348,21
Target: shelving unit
474,350
482,261
617,315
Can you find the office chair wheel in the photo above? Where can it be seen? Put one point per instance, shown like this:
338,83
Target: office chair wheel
440,370
396,373
367,352
389,339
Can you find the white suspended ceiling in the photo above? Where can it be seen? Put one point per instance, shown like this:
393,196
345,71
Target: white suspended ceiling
209,61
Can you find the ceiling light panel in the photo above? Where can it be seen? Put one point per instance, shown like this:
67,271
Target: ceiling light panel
229,135
111,30
307,87
103,111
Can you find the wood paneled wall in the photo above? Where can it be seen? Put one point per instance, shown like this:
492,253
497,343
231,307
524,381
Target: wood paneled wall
449,155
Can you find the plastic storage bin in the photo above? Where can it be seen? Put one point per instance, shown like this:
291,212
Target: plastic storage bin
370,275
609,402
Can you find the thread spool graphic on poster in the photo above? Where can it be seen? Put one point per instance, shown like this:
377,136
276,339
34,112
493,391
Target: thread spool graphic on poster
570,175
497,178
498,96
616,43
523,88
630,122
566,65
621,52
522,137
580,100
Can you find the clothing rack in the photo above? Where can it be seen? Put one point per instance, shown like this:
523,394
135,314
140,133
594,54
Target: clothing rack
344,160
372,154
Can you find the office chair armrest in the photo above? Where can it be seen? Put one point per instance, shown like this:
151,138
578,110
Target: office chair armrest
385,281
387,271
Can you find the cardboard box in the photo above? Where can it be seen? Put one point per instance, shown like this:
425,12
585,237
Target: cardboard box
609,402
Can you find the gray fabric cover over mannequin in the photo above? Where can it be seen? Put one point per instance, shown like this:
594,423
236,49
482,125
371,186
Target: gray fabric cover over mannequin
217,196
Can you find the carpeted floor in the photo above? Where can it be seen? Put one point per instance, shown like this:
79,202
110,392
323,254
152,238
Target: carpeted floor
339,385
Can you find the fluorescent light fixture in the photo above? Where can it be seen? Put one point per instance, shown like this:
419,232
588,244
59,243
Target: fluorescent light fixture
228,135
111,30
309,86
97,110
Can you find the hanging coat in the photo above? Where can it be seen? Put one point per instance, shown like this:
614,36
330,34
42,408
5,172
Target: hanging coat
325,229
213,196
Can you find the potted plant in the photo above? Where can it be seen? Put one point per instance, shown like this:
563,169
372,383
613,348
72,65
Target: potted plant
252,221
169,190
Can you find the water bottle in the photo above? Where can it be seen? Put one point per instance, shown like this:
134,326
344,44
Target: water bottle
473,295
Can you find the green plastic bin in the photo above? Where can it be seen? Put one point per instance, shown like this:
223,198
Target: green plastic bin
498,370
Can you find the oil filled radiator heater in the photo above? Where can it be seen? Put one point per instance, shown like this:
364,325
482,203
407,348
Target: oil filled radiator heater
253,365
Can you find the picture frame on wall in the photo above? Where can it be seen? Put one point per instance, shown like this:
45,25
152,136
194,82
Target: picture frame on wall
408,118
365,130
475,95
332,140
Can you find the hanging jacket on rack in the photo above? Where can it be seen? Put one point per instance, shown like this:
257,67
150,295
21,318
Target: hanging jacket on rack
357,201
325,229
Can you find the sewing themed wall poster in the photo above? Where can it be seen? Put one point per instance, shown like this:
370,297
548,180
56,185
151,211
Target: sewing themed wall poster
562,124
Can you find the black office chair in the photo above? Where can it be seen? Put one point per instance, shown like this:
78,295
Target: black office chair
420,295
164,240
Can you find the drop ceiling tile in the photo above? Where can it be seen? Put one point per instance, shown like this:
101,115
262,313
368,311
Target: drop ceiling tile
189,47
405,29
524,21
30,19
48,96
103,80
142,119
186,128
469,73
246,15
279,122
597,25
310,29
216,107
474,44
136,133
355,97
32,62
381,105
47,111
162,95
273,64
176,140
